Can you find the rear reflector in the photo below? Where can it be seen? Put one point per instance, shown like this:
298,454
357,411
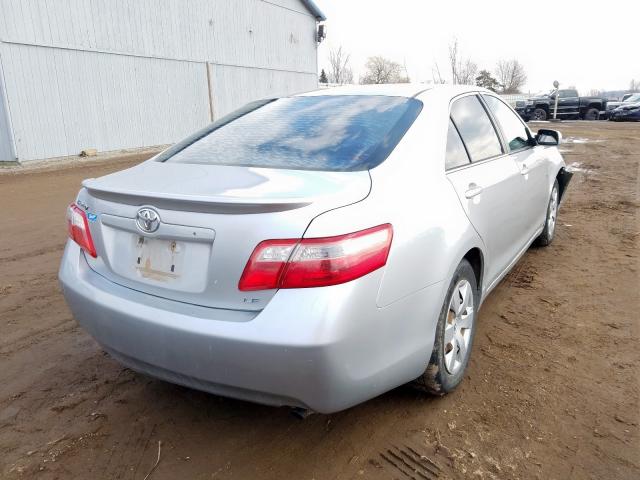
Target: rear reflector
79,229
316,262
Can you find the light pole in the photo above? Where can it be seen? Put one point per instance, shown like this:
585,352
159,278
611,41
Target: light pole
556,84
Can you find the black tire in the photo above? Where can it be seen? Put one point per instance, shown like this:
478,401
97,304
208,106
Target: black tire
539,114
546,237
436,378
591,114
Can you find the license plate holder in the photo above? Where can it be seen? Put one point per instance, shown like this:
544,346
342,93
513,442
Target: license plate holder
158,259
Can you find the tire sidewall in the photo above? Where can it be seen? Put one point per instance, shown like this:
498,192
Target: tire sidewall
447,381
546,237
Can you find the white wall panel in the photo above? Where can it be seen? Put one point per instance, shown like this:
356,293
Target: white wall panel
111,74
63,101
276,35
6,149
234,86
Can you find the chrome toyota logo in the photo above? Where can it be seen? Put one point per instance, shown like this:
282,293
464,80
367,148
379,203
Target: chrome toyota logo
148,220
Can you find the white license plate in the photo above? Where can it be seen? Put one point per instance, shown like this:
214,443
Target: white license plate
159,260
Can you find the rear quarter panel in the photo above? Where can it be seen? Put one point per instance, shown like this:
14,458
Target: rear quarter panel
431,232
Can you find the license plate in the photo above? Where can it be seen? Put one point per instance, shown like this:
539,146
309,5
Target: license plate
159,260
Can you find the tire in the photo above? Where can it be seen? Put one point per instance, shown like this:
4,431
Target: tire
448,362
546,237
591,114
539,114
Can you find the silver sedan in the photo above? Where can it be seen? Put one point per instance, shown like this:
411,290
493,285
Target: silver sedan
315,250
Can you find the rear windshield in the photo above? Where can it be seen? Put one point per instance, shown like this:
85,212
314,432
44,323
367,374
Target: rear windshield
329,133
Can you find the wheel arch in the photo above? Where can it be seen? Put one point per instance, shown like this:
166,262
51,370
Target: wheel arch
563,177
475,258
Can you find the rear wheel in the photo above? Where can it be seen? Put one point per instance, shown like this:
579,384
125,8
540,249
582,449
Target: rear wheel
546,237
454,334
592,114
539,114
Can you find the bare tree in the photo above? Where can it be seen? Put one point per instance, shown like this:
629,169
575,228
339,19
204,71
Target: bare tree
383,70
511,75
463,70
634,85
436,75
339,70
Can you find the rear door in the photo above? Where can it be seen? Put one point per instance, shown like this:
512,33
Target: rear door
568,103
488,186
531,163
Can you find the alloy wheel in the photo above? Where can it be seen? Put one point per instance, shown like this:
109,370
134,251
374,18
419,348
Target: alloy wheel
553,211
457,331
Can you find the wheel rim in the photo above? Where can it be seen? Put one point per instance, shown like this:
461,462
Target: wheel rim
539,115
553,211
457,330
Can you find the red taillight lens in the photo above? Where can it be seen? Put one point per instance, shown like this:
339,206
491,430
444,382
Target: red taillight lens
316,262
78,226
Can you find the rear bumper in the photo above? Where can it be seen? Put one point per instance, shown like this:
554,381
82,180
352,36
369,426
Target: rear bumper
324,349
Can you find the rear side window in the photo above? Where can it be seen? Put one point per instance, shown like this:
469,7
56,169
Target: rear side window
330,133
475,128
513,130
456,155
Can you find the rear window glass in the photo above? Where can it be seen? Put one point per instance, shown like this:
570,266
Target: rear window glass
330,133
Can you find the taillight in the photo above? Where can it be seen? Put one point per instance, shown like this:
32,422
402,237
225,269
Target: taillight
78,226
316,262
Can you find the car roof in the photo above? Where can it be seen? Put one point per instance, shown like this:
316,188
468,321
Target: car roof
396,90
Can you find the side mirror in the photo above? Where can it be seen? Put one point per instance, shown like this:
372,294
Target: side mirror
548,137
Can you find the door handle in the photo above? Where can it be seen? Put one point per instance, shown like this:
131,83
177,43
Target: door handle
473,190
524,169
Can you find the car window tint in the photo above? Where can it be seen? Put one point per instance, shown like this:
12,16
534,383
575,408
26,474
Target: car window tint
475,128
456,155
325,132
514,131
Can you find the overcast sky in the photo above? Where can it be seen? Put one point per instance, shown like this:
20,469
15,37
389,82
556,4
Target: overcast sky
596,44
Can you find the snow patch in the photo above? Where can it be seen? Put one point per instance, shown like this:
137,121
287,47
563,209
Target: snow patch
577,167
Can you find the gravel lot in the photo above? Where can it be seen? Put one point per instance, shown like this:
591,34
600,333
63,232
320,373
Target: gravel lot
552,389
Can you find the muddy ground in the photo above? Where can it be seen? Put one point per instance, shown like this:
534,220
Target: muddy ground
552,391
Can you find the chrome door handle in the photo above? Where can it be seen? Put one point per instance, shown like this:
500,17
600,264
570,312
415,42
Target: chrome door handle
524,170
473,190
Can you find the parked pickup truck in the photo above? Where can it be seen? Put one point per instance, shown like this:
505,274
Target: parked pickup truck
570,105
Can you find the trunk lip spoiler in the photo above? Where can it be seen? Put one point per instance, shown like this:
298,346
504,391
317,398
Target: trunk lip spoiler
195,204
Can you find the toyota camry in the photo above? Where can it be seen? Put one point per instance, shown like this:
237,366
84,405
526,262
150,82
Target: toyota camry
315,250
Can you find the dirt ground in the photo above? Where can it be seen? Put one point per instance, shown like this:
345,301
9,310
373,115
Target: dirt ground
552,391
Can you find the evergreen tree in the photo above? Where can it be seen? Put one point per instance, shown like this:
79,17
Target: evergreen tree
323,77
484,79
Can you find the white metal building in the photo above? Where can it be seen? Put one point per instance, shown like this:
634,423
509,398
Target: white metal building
114,74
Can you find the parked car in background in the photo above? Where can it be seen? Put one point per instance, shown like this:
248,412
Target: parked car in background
316,250
570,106
628,110
613,104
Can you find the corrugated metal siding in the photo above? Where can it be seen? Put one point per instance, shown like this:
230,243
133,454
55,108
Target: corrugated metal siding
233,86
64,101
114,74
6,149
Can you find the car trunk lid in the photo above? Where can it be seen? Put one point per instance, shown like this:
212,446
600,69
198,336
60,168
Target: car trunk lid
210,218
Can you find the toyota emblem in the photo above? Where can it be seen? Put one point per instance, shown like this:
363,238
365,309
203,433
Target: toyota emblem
148,220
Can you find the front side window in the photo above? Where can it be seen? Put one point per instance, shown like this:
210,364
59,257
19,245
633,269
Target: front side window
456,155
514,131
327,132
475,128
567,93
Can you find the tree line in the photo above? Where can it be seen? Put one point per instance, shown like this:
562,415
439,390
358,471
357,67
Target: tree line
508,75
